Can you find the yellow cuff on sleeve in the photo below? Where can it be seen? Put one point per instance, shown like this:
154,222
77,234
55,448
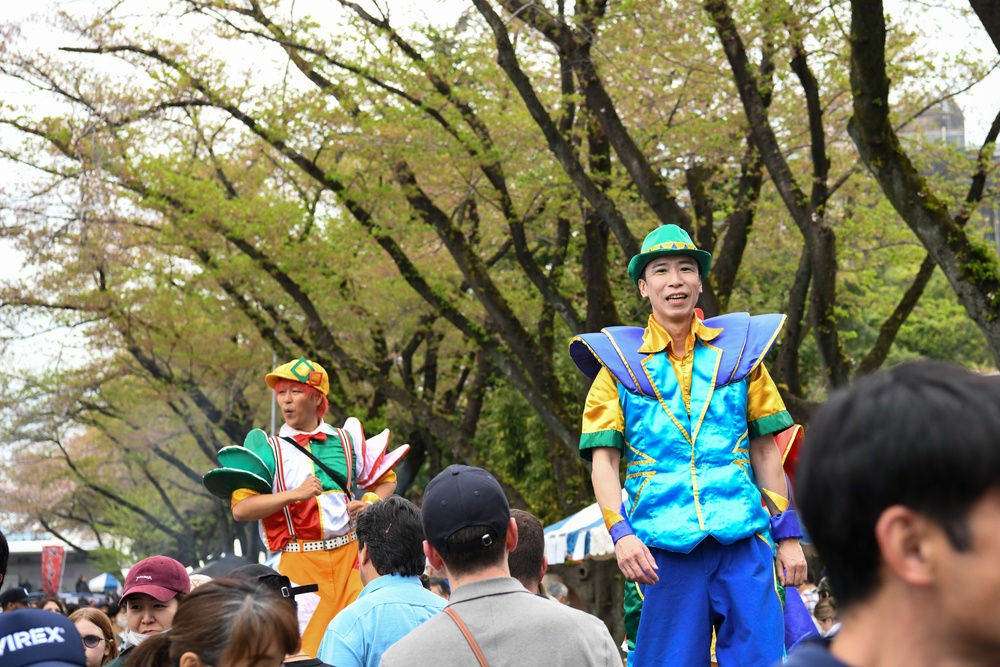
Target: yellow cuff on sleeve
240,495
780,502
611,517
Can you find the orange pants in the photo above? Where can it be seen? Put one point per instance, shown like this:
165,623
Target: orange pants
336,573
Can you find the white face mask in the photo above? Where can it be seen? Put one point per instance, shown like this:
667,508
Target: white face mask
121,621
134,638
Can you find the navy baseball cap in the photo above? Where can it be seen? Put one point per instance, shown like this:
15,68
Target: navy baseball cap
462,497
39,638
14,594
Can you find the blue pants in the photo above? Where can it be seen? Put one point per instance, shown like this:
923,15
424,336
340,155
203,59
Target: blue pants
729,587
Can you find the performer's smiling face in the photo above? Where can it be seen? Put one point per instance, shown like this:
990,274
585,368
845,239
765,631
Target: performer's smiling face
299,406
672,285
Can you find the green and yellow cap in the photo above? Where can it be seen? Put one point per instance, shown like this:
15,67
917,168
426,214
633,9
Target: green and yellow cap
667,240
301,370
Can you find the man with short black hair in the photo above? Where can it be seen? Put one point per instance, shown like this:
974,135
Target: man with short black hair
393,601
898,485
14,598
490,617
527,562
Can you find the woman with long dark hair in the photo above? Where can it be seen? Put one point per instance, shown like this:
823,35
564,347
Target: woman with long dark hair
221,623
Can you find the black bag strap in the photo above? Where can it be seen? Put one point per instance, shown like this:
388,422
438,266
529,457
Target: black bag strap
322,466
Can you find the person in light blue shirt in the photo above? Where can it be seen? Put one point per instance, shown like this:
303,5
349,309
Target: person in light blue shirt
393,601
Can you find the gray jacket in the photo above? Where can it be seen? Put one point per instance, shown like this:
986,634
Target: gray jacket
513,628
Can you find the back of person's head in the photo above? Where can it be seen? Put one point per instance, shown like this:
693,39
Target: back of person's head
525,561
103,623
826,610
225,622
922,435
15,597
823,588
827,616
262,575
466,518
439,586
4,556
558,591
394,536
38,638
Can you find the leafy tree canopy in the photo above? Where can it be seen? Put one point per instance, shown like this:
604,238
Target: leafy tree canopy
432,208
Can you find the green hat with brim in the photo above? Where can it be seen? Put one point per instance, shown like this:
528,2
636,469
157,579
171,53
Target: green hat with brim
667,240
222,482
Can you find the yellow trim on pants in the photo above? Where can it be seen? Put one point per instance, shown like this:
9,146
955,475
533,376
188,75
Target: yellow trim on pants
336,573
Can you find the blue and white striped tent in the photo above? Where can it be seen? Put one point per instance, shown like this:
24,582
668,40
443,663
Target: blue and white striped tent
579,536
104,582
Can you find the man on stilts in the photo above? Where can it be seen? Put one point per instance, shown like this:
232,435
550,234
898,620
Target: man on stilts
688,405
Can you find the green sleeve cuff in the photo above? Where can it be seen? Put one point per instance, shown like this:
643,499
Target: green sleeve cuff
589,441
775,423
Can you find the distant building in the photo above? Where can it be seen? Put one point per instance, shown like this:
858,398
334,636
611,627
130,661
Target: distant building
25,565
944,121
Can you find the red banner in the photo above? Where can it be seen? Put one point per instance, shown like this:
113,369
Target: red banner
53,562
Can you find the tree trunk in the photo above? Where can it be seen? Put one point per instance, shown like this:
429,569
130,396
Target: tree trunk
970,267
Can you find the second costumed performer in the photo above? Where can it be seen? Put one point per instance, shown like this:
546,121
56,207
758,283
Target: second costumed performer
299,486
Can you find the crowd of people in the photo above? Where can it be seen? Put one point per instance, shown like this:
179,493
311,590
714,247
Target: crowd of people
249,616
897,482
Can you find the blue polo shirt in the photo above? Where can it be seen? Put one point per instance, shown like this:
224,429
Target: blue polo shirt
814,652
386,610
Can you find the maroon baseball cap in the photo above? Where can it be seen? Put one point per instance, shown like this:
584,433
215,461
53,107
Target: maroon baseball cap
160,577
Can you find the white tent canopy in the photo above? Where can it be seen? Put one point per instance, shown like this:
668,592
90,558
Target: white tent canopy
579,536
103,582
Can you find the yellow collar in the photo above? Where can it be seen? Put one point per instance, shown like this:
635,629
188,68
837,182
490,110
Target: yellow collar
656,338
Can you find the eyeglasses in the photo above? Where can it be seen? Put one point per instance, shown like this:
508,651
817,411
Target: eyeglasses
91,641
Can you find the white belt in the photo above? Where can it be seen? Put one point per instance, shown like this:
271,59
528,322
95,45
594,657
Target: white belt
322,545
